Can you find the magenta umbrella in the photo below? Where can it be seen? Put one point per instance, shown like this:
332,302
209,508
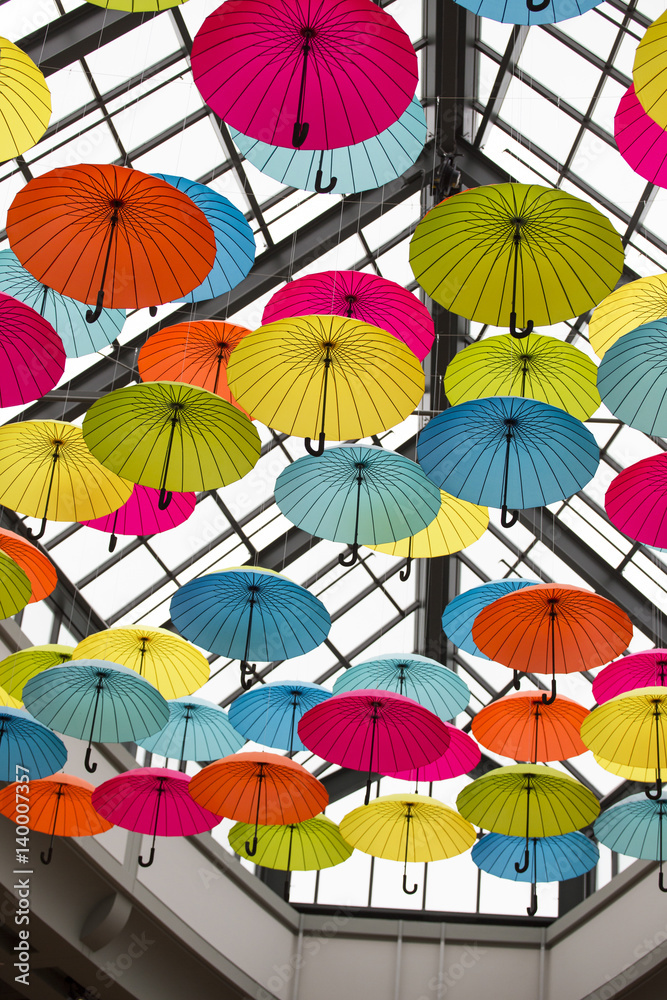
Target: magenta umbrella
141,515
641,142
152,800
638,670
366,297
636,501
462,754
298,73
32,356
374,731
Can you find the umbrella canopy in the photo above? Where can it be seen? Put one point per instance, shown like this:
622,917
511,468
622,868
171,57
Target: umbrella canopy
357,494
31,352
641,142
270,713
538,255
40,571
15,588
632,378
649,71
234,240
528,11
96,700
301,75
25,101
110,235
636,501
460,757
330,376
521,726
508,452
26,744
632,305
639,670
361,167
249,612
366,297
48,471
424,680
141,515
171,436
459,615
296,847
197,730
535,367
17,668
636,827
171,665
8,700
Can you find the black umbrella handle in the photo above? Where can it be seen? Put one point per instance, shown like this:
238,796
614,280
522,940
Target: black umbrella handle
351,557
91,768
151,858
516,680
655,795
542,5
251,851
518,333
321,188
508,518
408,892
405,572
92,315
526,861
532,909
319,450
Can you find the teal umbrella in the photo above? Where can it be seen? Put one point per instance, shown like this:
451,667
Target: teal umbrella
27,745
269,713
636,827
632,378
197,730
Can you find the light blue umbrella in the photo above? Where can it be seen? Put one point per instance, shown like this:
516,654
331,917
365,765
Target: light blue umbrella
529,11
632,378
636,827
27,745
508,452
65,315
361,167
234,240
197,730
270,714
96,700
250,613
459,616
424,680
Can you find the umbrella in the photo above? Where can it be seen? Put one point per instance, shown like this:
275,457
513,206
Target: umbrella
17,668
639,670
460,757
406,828
259,788
374,731
521,726
535,367
269,714
528,11
234,240
366,297
25,101
31,353
66,316
35,564
27,745
95,700
508,452
424,680
641,142
301,75
249,612
552,628
59,806
361,167
8,700
632,305
153,801
648,72
636,501
632,377
173,437
47,471
171,665
110,235
141,515
357,494
330,376
197,730
516,254
15,589
459,615
457,525
637,828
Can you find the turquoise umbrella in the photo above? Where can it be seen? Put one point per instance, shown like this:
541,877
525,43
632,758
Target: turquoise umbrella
636,827
28,746
420,678
632,378
96,700
459,616
197,730
270,714
528,11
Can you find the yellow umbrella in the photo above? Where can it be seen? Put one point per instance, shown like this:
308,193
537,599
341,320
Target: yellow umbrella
457,525
25,101
649,73
15,589
7,701
328,376
17,668
535,367
626,308
170,663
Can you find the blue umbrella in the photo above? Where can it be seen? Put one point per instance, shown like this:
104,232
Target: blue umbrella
65,315
632,378
247,613
27,745
529,11
361,167
358,494
459,616
636,827
197,730
96,700
506,451
234,240
420,678
270,714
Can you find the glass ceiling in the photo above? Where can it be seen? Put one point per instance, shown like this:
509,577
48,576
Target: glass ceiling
542,110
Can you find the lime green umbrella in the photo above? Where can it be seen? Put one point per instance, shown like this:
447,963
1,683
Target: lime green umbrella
17,668
15,589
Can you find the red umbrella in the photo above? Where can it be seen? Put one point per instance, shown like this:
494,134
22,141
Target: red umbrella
639,670
641,142
141,515
32,356
636,501
460,757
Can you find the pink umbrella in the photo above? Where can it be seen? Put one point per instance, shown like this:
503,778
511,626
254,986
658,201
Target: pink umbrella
367,297
32,356
300,74
141,515
641,142
374,731
638,670
462,754
636,501
152,800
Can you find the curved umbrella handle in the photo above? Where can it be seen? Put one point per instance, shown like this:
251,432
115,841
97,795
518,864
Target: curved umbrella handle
319,450
661,883
248,674
113,542
299,133
405,572
409,892
151,859
552,697
251,851
320,188
40,534
91,768
526,861
92,315
46,858
658,790
531,5
351,559
532,909
164,499
519,333
508,518
516,680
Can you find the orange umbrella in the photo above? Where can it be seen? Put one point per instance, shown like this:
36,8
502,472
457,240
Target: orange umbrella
40,571
521,726
59,805
259,788
110,235
552,628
